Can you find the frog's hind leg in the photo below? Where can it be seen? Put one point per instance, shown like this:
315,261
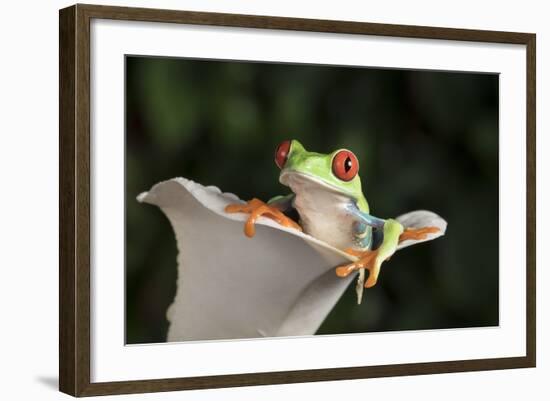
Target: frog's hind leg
417,233
367,261
372,259
365,258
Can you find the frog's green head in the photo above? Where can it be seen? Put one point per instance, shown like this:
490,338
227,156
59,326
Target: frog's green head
335,172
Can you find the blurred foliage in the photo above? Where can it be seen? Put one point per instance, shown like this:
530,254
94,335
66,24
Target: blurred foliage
425,140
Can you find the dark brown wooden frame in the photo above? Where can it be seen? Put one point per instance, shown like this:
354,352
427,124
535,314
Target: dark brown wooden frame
74,204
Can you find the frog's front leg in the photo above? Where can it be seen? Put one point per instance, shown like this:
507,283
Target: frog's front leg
273,209
372,259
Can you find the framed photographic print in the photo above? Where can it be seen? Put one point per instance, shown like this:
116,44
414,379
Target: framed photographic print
251,200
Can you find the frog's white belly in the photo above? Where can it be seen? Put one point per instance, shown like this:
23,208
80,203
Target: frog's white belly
323,211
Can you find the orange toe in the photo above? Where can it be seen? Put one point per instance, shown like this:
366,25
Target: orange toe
257,208
417,233
365,260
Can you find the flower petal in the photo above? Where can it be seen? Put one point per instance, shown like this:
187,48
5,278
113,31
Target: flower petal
230,286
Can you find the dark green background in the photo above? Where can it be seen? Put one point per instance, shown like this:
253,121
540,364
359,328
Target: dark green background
425,140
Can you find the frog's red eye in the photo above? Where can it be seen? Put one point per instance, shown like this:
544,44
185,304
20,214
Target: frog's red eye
281,154
345,165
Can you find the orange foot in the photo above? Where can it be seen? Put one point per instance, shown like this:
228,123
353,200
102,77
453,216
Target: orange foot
417,233
367,260
257,208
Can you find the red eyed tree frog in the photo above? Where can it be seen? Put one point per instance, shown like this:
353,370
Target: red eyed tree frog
327,194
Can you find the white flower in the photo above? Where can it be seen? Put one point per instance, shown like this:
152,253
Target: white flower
279,283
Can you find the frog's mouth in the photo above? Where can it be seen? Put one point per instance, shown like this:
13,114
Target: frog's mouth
298,181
